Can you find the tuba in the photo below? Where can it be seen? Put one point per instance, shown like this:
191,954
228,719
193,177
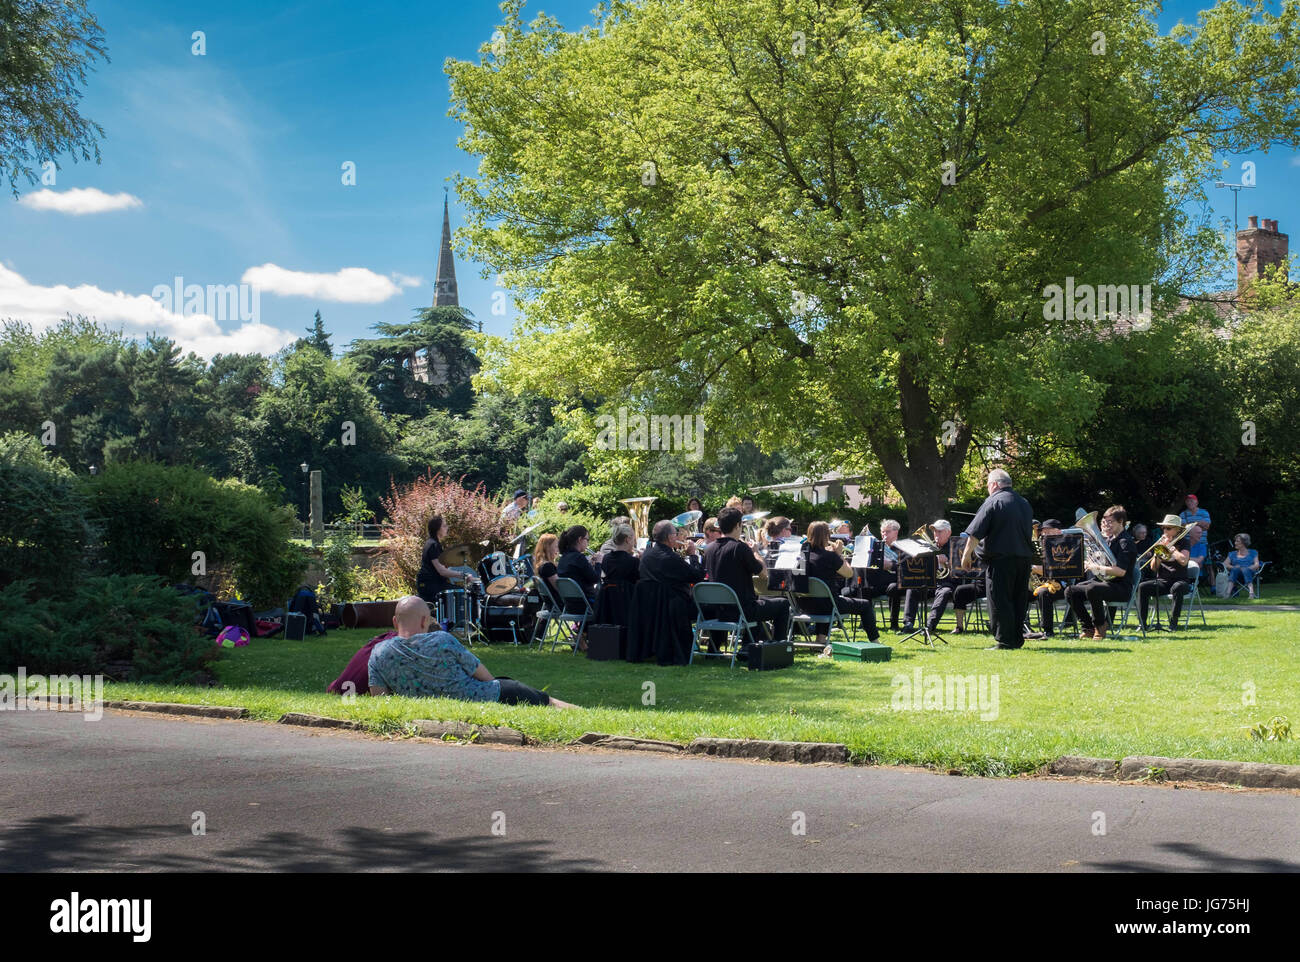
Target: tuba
942,557
638,509
1096,551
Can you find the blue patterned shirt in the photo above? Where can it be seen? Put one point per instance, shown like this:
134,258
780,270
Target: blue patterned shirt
430,665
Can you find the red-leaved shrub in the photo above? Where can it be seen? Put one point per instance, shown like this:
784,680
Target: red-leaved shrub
471,517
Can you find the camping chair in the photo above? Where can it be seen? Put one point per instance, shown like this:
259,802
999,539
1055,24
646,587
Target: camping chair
716,595
569,624
798,617
1238,587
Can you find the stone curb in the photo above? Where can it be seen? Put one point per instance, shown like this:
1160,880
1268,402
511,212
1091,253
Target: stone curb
1082,765
169,708
629,743
1246,774
487,734
806,753
317,721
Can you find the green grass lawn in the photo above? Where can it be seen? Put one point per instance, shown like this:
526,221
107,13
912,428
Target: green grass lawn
1271,593
1175,695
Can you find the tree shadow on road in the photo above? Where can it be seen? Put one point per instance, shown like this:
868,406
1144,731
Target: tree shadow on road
1206,859
65,843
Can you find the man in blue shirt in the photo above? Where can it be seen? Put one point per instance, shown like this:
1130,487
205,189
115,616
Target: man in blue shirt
1200,541
421,663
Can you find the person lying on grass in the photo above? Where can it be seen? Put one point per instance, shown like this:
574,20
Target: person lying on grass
433,664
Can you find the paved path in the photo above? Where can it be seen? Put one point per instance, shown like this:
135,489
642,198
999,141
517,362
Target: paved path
120,793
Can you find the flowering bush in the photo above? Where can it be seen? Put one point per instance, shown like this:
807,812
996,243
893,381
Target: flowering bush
470,514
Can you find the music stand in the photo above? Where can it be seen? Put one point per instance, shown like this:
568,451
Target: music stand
916,572
1064,562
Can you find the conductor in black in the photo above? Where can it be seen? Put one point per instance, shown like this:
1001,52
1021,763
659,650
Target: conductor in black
1004,526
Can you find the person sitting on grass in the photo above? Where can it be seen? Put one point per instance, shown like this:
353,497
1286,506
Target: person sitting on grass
433,664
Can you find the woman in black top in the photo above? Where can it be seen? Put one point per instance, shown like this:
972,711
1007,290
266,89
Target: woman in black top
620,569
573,564
826,563
434,577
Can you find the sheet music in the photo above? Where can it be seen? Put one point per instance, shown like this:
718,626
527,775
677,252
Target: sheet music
862,546
790,555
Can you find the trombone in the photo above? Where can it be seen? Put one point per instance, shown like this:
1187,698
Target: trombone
1162,549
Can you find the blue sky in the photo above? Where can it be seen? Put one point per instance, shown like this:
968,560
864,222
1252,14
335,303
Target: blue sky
235,158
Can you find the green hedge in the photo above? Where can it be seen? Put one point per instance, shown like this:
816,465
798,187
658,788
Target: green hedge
43,530
153,518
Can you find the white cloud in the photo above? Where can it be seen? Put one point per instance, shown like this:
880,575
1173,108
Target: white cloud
406,280
79,200
351,285
137,314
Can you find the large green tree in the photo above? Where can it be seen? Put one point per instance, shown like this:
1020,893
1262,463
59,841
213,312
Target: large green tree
829,226
438,334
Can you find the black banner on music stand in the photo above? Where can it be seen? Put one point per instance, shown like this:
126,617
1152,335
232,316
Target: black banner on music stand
916,572
1063,557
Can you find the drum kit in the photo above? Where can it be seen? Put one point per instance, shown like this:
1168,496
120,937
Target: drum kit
495,603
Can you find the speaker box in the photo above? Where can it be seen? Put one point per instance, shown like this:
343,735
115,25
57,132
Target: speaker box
769,655
606,642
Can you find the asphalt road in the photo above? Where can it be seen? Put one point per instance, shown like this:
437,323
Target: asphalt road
121,794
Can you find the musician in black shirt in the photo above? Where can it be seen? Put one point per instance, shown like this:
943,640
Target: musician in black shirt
732,562
826,563
946,579
434,577
1168,575
1004,527
1096,591
573,564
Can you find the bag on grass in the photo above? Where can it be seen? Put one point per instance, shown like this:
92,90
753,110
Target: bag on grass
232,636
1222,584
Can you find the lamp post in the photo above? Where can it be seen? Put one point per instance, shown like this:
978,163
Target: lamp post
305,519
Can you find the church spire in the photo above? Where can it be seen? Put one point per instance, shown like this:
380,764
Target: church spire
444,288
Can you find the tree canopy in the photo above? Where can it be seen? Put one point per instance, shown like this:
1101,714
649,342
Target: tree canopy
782,213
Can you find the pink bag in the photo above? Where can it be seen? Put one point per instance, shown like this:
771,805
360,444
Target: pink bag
232,636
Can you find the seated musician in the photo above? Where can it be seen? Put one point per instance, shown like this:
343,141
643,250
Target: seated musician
825,561
971,586
711,531
573,564
843,530
608,546
662,611
1166,576
434,577
1042,594
945,584
733,562
774,531
619,572
1142,540
1096,591
545,555
884,580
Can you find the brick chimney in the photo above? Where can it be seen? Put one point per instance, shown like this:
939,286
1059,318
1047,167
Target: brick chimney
1258,248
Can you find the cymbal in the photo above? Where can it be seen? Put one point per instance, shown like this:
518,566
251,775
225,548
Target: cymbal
456,555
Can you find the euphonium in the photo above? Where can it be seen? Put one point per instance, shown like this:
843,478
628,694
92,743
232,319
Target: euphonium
1096,552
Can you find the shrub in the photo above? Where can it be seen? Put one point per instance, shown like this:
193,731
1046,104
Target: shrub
342,579
470,514
105,620
154,517
43,529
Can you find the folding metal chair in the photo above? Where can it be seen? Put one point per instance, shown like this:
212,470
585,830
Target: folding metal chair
717,595
1112,607
802,619
545,617
569,625
1192,601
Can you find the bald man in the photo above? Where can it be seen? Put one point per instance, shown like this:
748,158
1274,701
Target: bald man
421,663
